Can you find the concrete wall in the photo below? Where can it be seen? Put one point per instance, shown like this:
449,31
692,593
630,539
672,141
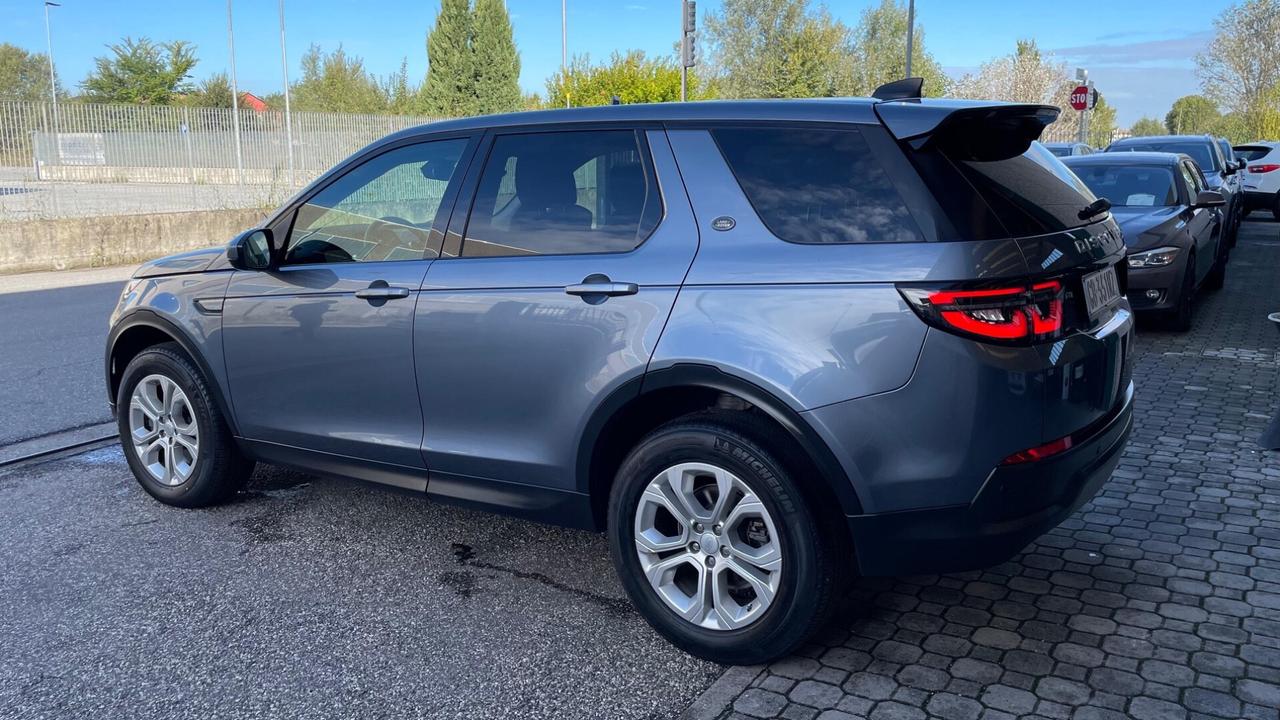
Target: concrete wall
33,245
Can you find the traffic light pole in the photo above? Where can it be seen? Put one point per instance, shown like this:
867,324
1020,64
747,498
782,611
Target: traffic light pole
688,48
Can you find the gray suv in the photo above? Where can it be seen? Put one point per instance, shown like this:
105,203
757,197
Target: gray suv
766,346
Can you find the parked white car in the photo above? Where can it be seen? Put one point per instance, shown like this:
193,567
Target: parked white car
1261,177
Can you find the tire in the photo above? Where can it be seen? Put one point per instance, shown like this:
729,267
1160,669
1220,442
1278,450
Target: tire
1180,317
176,409
1217,277
802,534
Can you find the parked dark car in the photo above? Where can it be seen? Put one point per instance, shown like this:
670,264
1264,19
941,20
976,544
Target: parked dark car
1068,149
764,345
1207,153
1171,229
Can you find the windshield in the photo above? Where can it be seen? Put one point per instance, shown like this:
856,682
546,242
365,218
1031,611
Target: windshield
1201,152
1129,185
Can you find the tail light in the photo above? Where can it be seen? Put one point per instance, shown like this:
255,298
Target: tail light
1265,168
1015,314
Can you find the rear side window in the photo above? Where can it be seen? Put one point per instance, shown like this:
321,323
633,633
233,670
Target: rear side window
816,186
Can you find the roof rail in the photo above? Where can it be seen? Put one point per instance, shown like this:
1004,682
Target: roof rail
911,88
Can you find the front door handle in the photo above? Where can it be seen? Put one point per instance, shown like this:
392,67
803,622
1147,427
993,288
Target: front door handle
380,290
602,287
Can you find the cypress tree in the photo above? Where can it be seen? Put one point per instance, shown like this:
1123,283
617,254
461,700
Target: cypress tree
497,63
449,90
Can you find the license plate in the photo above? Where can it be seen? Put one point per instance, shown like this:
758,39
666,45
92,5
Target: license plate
1100,289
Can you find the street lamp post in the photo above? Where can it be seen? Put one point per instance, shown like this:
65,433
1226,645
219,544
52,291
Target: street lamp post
53,82
911,31
564,48
288,120
235,98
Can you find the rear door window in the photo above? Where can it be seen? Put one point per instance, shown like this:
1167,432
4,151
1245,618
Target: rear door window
816,185
559,193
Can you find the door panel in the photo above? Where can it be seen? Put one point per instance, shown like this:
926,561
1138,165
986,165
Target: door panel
313,366
320,351
510,365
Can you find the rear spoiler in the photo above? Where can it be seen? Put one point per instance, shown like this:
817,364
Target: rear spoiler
966,130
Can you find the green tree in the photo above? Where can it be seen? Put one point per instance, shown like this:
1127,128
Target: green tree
1147,126
778,48
337,82
213,91
1192,114
880,49
1026,76
25,75
141,72
497,62
632,77
402,98
1240,68
1102,123
449,90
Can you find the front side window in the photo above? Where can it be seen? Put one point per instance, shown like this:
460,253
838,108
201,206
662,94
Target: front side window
1192,176
382,210
816,186
1130,185
558,193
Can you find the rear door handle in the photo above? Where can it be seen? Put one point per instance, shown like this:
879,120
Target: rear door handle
610,289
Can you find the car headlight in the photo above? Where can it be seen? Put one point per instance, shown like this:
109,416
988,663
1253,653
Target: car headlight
1153,258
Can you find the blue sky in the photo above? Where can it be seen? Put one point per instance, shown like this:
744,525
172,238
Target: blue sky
1141,60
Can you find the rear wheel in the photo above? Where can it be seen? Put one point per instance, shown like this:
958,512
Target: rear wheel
716,545
175,439
1180,319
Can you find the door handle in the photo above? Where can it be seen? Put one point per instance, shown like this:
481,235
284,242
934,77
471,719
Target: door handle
379,290
609,289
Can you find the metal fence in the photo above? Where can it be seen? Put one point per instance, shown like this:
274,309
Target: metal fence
92,159
125,159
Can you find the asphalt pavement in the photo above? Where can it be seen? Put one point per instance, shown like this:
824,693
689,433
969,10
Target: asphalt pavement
310,599
52,333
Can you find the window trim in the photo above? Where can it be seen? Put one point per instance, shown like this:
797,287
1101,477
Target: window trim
282,224
456,233
908,195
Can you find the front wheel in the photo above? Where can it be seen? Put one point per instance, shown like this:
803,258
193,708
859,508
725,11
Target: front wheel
716,545
175,439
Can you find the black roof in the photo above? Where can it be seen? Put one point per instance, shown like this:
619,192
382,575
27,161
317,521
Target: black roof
1125,158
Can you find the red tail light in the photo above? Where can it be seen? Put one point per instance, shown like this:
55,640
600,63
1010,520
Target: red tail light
1016,313
1039,452
1268,167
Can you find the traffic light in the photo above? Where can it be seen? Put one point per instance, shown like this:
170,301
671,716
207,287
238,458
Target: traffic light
689,50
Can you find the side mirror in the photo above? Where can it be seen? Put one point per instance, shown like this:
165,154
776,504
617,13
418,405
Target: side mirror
1241,164
251,250
1209,198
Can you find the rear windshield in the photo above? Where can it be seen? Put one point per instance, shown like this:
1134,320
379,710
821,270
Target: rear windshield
816,186
1059,150
1032,193
1252,152
1200,150
1129,185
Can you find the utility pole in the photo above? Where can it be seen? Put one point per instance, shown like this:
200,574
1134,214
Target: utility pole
564,48
235,97
53,82
688,43
911,31
288,119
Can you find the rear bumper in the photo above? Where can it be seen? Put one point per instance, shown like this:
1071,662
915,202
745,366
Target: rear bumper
1259,199
1017,504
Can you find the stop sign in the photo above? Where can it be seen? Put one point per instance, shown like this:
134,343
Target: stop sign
1080,97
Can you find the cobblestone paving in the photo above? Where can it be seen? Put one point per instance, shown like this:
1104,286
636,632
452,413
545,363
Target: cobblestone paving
1158,600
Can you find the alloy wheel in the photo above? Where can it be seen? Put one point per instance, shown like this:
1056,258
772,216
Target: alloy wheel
163,430
708,546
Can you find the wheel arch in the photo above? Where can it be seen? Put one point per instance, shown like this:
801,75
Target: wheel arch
144,328
644,403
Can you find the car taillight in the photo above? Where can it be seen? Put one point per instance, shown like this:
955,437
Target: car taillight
1014,313
1265,168
1040,452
